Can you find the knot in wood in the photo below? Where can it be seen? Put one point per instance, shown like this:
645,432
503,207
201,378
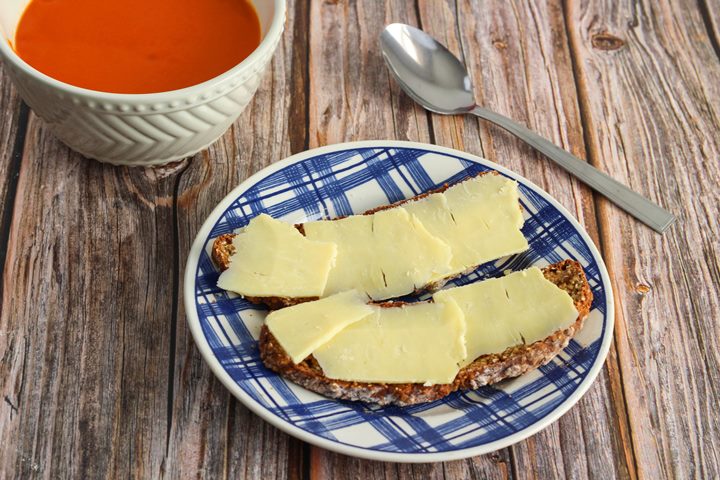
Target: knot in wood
499,44
606,41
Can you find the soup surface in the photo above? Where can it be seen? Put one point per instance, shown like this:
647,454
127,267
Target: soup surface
136,46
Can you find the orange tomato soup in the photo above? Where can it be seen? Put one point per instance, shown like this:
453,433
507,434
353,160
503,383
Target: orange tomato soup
136,46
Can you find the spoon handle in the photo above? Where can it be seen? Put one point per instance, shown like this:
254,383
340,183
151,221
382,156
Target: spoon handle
635,204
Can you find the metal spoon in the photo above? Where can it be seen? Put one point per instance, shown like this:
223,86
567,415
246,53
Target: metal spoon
430,74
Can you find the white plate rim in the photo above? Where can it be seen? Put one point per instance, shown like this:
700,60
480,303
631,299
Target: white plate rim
259,410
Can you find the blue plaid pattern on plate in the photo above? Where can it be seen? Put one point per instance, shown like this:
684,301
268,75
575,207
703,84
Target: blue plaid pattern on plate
351,178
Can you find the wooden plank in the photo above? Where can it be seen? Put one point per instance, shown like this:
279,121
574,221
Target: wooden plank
335,466
12,141
351,95
84,317
353,98
212,434
649,94
518,57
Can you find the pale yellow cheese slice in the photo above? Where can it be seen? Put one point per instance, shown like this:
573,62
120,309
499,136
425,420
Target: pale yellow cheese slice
353,266
417,343
522,307
273,259
302,328
387,254
480,219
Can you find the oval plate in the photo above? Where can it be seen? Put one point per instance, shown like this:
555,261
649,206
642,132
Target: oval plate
351,178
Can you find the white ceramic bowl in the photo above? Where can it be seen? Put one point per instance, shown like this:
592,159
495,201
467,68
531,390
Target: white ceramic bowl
143,129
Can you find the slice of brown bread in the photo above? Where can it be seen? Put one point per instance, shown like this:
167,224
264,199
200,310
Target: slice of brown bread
223,249
485,370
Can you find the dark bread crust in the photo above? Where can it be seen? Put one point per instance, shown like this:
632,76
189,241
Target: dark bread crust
485,370
223,249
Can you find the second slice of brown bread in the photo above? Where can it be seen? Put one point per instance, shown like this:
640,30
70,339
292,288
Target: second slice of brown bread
485,370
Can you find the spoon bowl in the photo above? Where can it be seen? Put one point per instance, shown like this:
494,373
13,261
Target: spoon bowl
427,71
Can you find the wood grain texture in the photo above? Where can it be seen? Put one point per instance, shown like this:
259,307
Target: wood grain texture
351,96
84,318
99,374
212,435
326,465
518,57
648,86
12,141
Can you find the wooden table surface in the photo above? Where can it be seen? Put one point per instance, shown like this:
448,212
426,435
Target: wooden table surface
100,377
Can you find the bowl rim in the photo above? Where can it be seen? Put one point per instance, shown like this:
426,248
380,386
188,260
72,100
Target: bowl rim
264,48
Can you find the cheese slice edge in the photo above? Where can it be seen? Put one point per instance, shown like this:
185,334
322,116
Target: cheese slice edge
303,328
520,308
272,258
